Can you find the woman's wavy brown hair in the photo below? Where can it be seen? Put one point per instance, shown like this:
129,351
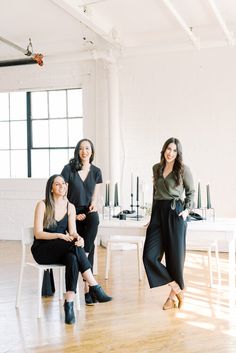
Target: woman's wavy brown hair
49,215
178,168
76,163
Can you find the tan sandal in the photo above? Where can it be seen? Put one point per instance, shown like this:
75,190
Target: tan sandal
170,304
180,297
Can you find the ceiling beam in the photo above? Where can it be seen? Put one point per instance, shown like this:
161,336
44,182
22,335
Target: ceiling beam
229,35
83,15
182,23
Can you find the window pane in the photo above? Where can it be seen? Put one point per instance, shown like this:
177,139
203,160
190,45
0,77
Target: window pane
71,153
40,163
75,131
18,134
4,104
39,105
5,164
58,158
75,107
18,106
40,133
58,133
19,164
57,104
4,135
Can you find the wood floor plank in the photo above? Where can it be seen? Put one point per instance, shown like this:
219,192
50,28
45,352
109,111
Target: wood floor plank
133,322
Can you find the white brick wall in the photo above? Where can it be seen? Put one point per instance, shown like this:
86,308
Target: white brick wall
18,198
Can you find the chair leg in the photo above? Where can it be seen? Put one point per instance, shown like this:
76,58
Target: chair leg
77,297
139,256
95,262
210,266
108,259
40,279
61,272
218,264
18,294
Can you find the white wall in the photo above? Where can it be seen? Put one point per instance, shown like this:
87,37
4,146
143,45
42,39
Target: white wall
189,94
18,198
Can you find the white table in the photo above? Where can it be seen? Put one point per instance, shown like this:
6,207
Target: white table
223,230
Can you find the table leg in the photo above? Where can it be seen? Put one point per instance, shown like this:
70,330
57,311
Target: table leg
232,265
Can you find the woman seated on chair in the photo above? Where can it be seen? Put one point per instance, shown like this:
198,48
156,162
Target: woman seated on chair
57,242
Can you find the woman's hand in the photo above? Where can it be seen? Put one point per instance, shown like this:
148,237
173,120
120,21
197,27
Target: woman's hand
66,237
80,217
80,242
184,214
93,207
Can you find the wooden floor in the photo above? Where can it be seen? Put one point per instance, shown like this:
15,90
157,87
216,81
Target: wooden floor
133,322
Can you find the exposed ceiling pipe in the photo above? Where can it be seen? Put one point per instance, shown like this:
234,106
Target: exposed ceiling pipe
187,29
33,58
17,62
229,35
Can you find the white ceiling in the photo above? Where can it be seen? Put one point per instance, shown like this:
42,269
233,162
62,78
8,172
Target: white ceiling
69,27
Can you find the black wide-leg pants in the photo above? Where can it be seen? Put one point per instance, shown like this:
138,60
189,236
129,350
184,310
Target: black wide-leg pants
87,229
166,234
59,251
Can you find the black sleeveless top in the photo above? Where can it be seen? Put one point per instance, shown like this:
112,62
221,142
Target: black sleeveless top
60,226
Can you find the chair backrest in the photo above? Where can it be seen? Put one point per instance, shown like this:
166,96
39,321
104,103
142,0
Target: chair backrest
27,235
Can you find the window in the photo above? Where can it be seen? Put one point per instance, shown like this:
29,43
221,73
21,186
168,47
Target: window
38,131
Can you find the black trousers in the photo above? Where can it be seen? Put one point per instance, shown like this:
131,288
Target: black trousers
88,230
166,234
58,251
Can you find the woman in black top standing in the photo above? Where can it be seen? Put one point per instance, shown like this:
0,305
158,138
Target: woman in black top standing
173,194
83,180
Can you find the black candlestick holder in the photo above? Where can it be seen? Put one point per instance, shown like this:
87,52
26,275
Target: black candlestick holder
132,203
138,216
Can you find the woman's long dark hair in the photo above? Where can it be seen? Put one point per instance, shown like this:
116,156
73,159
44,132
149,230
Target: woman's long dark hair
49,215
76,163
178,168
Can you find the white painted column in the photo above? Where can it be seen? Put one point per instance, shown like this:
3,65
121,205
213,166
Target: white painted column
114,126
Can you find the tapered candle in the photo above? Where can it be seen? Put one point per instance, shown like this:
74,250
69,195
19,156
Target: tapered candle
106,200
199,199
137,195
116,202
132,185
208,196
108,194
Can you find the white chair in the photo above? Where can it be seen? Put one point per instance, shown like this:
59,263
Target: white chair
123,239
209,247
27,237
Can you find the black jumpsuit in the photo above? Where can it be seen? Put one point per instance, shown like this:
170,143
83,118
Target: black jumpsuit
59,251
166,233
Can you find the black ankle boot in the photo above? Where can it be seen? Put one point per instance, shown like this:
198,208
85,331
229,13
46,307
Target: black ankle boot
69,313
88,299
92,295
99,294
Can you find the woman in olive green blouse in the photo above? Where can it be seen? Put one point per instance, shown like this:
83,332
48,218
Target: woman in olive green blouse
173,195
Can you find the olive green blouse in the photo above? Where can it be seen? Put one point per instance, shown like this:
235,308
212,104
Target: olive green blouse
166,188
